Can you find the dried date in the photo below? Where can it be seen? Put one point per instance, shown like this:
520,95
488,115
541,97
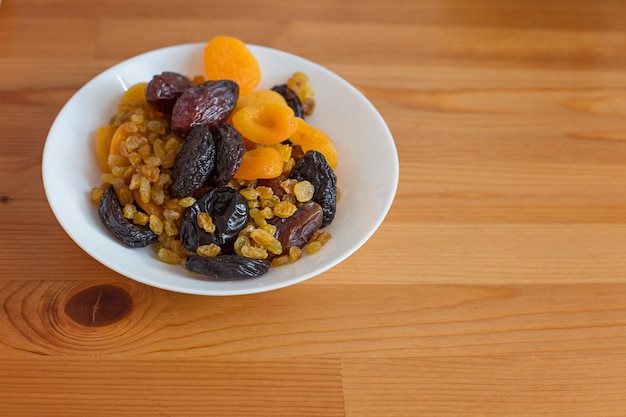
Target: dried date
297,229
209,103
111,214
194,164
225,267
314,168
164,89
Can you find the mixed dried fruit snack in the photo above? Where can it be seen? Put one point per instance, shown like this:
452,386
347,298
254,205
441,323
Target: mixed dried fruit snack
219,176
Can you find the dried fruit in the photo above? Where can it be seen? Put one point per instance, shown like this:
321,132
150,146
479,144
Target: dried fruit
291,98
312,139
209,103
297,229
227,266
104,135
132,97
194,164
164,89
303,191
229,58
313,167
266,123
259,97
260,163
299,83
122,132
229,211
229,154
111,214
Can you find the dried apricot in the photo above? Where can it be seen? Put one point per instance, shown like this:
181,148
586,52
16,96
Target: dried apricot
258,97
120,135
260,163
104,135
266,123
149,207
227,57
132,97
312,139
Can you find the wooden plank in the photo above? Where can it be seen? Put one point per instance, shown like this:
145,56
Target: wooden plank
574,384
113,387
378,321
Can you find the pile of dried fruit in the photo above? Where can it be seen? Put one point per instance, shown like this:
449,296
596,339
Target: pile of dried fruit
219,176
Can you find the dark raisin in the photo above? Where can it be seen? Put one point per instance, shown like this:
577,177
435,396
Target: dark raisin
314,168
194,163
209,103
297,229
229,212
226,267
163,90
110,211
229,153
291,98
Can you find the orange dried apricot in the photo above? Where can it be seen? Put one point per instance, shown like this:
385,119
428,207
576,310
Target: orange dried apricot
227,57
260,163
131,97
120,135
258,97
150,208
312,139
104,135
266,123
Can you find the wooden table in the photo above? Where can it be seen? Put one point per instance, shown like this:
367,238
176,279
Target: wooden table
496,286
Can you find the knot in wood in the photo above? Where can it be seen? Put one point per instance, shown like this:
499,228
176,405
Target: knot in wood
98,306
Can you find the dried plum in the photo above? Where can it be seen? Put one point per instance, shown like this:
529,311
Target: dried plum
225,267
291,98
229,153
297,229
164,89
314,168
209,103
110,211
194,163
229,212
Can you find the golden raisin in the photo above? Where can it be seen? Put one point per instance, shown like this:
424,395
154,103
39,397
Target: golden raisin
205,222
209,250
168,256
284,209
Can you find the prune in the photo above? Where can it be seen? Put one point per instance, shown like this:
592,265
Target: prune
164,89
229,153
194,163
229,212
110,211
314,168
209,103
291,98
225,267
297,229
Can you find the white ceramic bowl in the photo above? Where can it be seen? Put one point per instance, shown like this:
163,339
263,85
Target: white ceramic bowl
367,171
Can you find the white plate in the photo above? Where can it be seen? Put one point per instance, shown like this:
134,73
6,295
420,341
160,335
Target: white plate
367,171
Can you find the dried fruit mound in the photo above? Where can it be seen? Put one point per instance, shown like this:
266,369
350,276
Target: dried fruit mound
220,177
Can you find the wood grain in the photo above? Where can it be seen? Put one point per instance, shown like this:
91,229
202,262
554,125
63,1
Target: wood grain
496,286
